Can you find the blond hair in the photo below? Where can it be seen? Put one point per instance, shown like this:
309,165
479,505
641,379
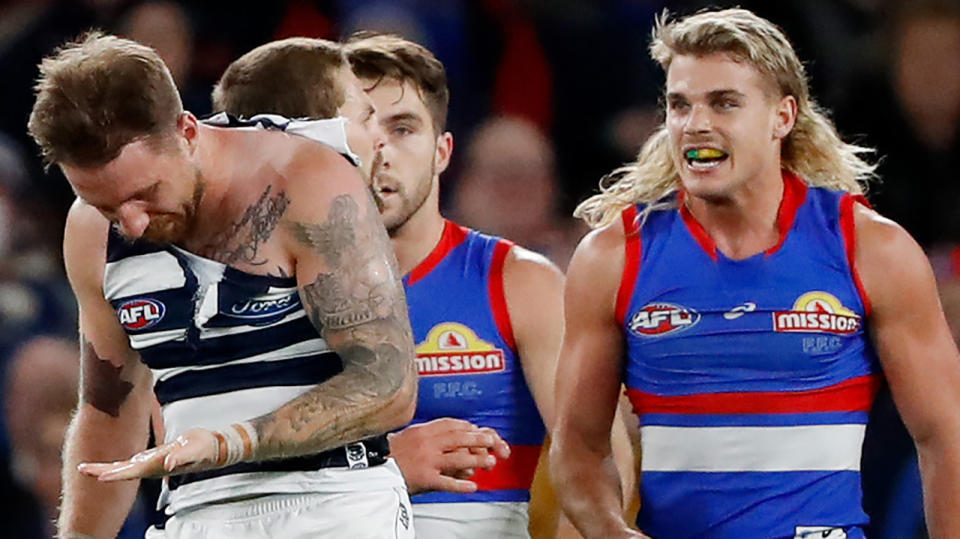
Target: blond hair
812,150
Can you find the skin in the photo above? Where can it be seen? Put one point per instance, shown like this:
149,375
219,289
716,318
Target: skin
919,357
364,132
96,433
330,238
414,157
716,102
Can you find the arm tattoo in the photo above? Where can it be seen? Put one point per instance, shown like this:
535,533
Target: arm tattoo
358,306
241,241
101,385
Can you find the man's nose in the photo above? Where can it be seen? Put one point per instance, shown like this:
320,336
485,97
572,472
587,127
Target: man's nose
132,220
379,135
699,119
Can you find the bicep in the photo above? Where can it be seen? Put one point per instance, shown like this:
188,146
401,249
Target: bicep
534,292
110,369
345,268
588,375
111,372
348,279
907,325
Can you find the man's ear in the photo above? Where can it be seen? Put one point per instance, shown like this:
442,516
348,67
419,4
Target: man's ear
441,157
188,127
786,117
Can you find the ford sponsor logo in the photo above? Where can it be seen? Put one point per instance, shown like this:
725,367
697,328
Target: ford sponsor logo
263,306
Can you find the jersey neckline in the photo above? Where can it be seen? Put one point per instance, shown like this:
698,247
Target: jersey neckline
452,236
794,194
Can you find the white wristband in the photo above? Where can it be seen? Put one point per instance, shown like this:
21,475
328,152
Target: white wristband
235,443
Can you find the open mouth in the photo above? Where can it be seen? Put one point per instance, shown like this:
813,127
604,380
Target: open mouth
704,158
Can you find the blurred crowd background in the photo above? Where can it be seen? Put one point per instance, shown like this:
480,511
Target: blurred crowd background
547,96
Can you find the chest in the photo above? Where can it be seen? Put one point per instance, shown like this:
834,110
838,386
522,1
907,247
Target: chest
464,363
792,317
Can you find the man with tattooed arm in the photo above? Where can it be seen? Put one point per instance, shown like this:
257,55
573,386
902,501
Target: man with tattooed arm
243,276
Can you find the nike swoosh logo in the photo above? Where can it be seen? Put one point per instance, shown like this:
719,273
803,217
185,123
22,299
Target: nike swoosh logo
740,310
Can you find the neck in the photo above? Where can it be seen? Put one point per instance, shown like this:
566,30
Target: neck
225,166
746,223
415,240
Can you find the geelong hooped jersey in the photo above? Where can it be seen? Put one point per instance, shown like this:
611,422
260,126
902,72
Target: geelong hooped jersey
467,361
223,345
752,378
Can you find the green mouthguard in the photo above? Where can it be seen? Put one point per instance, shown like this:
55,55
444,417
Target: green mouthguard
704,153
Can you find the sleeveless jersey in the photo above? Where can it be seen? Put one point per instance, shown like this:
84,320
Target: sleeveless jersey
226,346
467,359
752,378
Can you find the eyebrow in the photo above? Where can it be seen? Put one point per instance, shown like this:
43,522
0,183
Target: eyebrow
403,117
138,194
712,94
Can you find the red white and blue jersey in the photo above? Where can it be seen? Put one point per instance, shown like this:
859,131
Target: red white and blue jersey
467,359
752,378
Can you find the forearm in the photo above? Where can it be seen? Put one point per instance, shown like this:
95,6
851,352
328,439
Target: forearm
90,507
356,404
351,290
940,470
588,488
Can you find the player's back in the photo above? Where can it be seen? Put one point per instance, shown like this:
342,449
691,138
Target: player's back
469,369
752,378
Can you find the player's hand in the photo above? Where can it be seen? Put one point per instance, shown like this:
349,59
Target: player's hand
193,451
442,454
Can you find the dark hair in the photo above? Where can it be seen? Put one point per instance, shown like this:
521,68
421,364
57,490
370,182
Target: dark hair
294,77
378,56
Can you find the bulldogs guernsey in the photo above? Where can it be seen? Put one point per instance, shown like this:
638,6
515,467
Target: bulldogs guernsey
752,378
469,369
226,346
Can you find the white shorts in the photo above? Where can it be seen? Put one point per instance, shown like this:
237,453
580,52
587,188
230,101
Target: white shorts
472,520
376,513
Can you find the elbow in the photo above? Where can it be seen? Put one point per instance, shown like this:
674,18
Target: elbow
558,454
402,401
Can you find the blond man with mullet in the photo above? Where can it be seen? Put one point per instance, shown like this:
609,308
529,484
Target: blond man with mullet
741,287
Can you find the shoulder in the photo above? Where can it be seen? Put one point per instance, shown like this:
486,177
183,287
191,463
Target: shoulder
602,249
881,240
596,269
85,245
524,269
312,172
890,263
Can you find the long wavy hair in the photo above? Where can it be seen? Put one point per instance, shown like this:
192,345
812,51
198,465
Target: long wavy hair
812,150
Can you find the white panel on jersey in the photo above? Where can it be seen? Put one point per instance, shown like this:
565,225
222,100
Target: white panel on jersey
142,274
139,342
224,409
751,449
331,132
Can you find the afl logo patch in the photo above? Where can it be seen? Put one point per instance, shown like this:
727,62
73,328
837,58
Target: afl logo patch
657,319
137,314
